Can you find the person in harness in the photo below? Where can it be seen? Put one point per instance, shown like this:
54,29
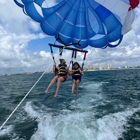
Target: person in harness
60,76
76,73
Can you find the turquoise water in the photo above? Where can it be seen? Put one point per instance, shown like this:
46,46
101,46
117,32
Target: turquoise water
107,107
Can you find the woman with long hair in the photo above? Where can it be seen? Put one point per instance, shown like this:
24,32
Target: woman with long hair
76,73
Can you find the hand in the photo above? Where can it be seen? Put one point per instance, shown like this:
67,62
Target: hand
80,70
54,64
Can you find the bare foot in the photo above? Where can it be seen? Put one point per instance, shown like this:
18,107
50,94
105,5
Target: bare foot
55,95
46,91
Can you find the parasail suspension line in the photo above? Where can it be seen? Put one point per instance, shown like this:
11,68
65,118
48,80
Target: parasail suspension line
71,62
74,52
52,53
24,98
66,45
84,60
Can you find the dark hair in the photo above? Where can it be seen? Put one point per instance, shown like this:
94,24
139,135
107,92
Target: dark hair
61,60
76,63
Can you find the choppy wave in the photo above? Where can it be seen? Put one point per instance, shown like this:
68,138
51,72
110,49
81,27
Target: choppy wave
104,110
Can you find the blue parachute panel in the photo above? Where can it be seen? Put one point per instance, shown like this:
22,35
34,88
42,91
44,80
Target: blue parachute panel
39,2
27,1
102,12
115,35
32,12
93,22
99,43
19,4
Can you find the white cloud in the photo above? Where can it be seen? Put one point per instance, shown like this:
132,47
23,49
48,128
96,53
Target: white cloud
35,26
14,37
136,24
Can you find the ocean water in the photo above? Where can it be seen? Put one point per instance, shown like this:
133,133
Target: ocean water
107,107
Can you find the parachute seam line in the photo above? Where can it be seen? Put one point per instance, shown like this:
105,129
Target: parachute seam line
24,98
115,5
72,35
19,4
104,1
91,12
65,17
46,3
68,16
75,24
52,12
58,31
83,32
80,18
96,13
89,21
104,25
87,28
120,39
54,20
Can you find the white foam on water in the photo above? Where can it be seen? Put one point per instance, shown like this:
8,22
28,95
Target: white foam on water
6,130
45,130
75,125
80,122
92,86
111,127
91,94
66,126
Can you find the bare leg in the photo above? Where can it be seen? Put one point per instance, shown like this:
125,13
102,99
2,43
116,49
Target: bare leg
59,80
73,86
51,83
77,87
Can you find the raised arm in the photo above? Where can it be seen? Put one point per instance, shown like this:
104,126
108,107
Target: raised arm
82,73
55,68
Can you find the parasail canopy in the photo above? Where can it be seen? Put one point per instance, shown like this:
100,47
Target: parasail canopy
95,23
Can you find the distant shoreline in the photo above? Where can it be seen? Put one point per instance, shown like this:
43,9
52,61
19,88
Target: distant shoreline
29,73
113,69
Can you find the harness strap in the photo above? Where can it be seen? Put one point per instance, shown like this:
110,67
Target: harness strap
71,62
53,58
75,54
76,73
84,60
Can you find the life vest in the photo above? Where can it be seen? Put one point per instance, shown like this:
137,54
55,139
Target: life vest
62,70
76,73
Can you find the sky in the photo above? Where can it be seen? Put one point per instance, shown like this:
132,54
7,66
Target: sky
24,47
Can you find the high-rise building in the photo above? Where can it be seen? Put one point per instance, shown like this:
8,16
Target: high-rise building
108,66
101,67
90,67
